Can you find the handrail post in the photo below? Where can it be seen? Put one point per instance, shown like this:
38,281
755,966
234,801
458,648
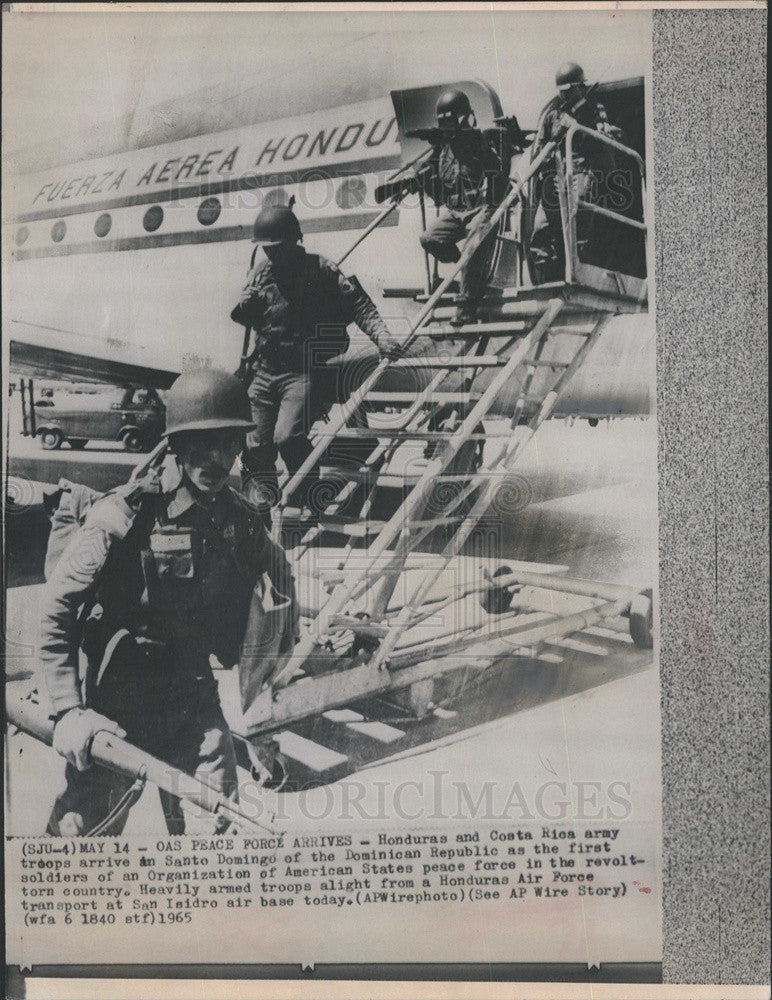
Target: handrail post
427,266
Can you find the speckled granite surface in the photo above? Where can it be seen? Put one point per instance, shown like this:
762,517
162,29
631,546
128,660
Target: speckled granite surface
710,183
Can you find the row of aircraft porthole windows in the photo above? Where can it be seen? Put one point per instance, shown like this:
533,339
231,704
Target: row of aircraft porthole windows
208,213
350,194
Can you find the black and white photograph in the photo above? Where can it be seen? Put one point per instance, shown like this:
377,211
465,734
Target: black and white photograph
331,533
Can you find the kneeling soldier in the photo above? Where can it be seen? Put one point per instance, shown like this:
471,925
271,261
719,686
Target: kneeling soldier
161,575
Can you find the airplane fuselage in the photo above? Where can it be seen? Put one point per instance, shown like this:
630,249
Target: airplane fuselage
145,251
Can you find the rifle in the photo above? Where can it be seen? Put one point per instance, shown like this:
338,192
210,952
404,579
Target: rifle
242,372
122,757
435,136
520,138
397,187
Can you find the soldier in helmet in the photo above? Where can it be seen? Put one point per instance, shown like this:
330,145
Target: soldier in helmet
298,304
161,575
593,162
467,176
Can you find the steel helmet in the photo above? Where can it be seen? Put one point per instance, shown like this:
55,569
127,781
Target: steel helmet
276,224
452,103
207,400
569,75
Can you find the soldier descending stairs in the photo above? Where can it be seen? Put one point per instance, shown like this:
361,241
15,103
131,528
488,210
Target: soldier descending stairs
534,339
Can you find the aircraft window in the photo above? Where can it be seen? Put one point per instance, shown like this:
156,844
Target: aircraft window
209,211
58,230
22,235
351,193
153,218
103,224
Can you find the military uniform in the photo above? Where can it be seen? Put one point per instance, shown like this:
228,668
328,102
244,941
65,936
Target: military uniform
467,178
162,581
592,164
299,313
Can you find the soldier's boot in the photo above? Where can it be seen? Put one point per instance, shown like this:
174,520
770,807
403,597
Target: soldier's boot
294,451
466,313
87,800
259,481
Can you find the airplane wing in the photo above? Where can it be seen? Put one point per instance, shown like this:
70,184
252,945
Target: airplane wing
39,351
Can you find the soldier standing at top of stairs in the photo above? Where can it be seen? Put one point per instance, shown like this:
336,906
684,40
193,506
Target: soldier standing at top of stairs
593,162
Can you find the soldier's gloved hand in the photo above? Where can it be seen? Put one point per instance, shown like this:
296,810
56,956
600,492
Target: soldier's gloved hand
606,128
76,729
389,348
245,296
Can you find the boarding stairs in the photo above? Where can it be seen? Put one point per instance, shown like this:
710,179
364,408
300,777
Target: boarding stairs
528,342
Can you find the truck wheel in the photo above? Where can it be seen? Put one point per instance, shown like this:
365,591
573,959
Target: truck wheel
77,443
642,620
51,438
132,441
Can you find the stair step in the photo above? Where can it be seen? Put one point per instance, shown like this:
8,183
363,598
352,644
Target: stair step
580,330
402,293
450,299
379,731
354,529
414,292
505,309
462,361
394,480
494,312
537,295
540,363
578,646
474,330
407,435
580,298
343,715
410,397
312,755
362,529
